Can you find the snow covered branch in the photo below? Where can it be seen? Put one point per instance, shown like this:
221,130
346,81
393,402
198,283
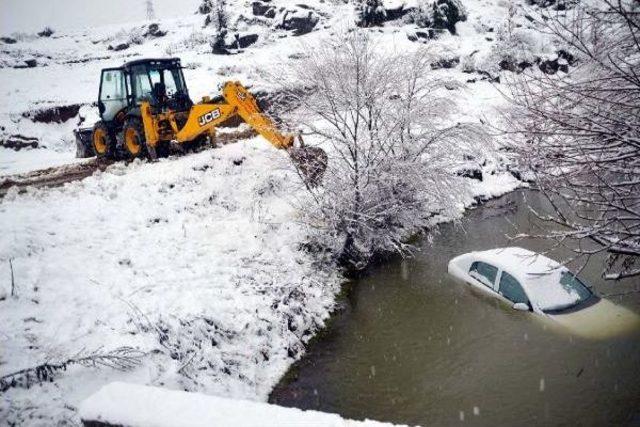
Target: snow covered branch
385,122
584,134
122,358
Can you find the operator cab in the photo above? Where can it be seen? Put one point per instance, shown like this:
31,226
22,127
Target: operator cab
158,81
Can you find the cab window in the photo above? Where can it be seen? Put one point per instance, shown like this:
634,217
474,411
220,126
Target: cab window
484,272
170,83
141,83
511,289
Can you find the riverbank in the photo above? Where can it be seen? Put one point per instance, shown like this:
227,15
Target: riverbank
413,346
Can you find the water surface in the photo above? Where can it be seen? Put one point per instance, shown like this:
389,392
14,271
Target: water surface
413,346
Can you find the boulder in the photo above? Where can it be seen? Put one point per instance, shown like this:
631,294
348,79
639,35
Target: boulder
445,63
263,8
46,32
510,64
241,41
153,30
552,66
246,40
118,46
446,13
299,20
18,142
8,40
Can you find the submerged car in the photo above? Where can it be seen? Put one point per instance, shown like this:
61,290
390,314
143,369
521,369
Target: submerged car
528,281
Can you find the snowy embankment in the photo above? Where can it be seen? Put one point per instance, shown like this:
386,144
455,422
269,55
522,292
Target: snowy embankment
196,261
121,404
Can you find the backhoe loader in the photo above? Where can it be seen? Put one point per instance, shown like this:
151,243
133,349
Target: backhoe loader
145,107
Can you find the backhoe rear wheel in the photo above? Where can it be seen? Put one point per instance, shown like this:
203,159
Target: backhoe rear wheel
103,142
134,141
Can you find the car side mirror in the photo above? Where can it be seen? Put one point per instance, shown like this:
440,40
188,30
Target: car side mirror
101,107
520,306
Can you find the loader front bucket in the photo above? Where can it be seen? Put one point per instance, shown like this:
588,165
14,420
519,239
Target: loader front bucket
311,163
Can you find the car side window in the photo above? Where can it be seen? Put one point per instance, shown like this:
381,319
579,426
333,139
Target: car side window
484,272
511,289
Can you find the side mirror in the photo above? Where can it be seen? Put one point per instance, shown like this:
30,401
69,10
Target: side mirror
101,107
520,306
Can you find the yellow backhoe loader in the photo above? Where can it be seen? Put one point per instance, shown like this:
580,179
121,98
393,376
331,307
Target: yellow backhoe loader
145,106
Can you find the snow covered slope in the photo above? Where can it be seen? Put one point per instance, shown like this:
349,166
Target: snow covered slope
198,261
195,261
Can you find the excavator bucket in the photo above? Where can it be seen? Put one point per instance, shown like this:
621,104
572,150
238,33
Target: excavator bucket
311,163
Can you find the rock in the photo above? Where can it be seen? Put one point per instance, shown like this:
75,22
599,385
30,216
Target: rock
398,12
509,64
8,40
371,13
18,142
445,63
118,46
446,13
549,66
205,7
420,36
567,56
59,114
46,32
470,172
246,40
31,63
154,31
298,20
263,8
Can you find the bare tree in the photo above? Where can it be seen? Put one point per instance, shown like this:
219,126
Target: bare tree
371,13
583,131
384,122
218,16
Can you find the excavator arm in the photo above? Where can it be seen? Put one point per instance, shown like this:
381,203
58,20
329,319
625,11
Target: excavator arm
204,117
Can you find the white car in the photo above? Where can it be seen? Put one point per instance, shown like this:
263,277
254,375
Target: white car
528,281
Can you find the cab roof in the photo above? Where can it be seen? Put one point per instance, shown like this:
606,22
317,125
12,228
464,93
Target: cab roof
141,61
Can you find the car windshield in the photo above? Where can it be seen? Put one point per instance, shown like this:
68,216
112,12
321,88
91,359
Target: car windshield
558,290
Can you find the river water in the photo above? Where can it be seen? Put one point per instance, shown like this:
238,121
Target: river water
413,346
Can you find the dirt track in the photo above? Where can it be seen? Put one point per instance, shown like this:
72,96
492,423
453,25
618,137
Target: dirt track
53,177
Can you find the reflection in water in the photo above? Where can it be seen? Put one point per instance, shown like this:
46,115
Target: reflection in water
416,347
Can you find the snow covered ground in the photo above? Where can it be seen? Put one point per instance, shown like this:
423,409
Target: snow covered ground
195,260
135,405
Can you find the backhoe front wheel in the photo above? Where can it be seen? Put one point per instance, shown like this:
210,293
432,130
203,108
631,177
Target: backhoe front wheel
103,142
134,141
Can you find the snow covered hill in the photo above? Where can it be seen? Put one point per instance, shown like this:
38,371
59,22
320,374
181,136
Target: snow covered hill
197,261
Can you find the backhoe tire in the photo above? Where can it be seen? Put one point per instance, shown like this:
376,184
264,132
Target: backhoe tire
133,139
103,141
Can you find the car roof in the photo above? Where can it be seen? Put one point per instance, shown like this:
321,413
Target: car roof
515,260
538,274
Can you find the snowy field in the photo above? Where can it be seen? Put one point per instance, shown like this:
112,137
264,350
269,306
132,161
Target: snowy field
197,261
